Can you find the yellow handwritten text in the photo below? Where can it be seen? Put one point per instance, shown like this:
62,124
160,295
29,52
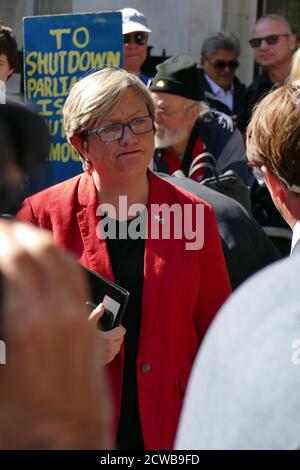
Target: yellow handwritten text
77,36
56,128
63,152
48,87
68,62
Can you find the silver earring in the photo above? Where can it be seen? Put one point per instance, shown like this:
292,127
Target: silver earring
86,164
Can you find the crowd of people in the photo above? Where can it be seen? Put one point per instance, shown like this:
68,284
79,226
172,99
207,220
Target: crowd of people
190,356
247,372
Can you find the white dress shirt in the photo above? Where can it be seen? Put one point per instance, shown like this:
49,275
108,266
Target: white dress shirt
225,97
296,235
2,92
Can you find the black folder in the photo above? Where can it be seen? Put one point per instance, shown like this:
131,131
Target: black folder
114,298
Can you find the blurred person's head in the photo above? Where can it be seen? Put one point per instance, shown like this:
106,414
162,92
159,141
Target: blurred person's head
273,147
135,37
177,95
24,143
8,52
219,58
272,42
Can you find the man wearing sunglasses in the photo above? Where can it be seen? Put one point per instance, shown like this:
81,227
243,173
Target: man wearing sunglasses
135,37
273,44
219,62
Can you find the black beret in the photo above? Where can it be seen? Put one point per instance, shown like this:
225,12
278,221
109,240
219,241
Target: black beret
178,75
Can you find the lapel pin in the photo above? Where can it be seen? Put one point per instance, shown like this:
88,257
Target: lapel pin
161,220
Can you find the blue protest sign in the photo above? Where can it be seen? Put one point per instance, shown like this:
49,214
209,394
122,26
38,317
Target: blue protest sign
58,50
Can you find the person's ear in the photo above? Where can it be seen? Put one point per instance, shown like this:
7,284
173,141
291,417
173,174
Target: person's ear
202,60
79,144
193,113
276,187
292,42
10,73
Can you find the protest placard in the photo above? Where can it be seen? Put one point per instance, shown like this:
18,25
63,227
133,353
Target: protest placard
58,50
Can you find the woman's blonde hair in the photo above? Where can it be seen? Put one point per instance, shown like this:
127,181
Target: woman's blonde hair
96,95
273,135
295,72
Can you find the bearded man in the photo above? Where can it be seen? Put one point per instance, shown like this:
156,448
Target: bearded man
187,128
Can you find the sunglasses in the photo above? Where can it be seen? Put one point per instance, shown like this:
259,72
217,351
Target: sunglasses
271,40
222,64
138,38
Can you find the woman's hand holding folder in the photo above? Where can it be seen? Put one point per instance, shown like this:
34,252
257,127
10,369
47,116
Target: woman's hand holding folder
111,340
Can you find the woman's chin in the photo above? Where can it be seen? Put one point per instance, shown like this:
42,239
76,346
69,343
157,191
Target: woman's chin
131,164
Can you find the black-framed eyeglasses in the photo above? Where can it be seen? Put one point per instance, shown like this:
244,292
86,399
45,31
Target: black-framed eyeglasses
139,38
108,134
222,64
271,40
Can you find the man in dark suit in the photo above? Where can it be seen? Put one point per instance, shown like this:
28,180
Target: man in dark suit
242,237
273,44
219,62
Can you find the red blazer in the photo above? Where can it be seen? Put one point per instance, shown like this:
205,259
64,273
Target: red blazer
183,290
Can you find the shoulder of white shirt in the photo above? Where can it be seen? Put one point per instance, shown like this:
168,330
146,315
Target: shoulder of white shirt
296,235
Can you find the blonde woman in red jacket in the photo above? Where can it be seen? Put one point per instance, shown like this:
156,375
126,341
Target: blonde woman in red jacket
170,258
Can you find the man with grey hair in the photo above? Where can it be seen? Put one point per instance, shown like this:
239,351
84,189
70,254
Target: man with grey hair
219,62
